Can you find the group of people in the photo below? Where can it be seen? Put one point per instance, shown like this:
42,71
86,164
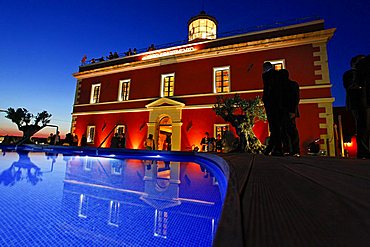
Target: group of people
118,141
356,81
149,143
210,144
281,98
114,55
131,52
151,48
70,140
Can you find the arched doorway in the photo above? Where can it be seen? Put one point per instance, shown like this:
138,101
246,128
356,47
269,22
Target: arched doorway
158,111
164,133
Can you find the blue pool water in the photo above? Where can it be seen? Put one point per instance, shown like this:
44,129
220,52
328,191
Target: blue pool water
117,199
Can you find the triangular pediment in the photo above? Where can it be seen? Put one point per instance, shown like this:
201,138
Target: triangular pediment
165,102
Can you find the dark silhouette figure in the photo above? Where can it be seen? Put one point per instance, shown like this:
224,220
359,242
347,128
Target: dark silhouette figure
129,52
151,47
75,140
272,99
122,140
83,60
114,142
83,140
291,98
219,144
168,142
69,139
7,140
149,143
115,55
205,142
356,81
57,138
110,55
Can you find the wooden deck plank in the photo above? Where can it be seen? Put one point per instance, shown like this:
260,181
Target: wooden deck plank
306,201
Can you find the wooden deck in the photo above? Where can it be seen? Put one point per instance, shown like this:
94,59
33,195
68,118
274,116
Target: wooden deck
289,201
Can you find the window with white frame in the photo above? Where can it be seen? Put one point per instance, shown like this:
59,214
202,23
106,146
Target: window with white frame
90,134
95,93
120,129
220,129
124,90
221,79
278,64
168,84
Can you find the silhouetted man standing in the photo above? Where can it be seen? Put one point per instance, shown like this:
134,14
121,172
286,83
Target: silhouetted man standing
356,81
290,108
272,99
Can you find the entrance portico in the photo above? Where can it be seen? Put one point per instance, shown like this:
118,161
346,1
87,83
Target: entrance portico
171,110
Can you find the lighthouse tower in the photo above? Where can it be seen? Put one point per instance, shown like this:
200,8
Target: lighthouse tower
202,27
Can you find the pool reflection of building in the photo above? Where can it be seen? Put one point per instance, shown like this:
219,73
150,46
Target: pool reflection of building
133,199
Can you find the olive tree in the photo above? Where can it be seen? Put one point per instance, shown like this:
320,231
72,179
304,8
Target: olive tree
242,115
27,122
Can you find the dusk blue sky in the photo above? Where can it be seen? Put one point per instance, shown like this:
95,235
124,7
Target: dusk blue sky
43,41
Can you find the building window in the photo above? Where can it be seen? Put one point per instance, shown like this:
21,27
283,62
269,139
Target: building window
95,93
90,134
120,129
278,64
167,82
124,90
220,129
221,80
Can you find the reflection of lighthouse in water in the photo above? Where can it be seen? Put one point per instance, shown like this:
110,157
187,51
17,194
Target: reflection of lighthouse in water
161,189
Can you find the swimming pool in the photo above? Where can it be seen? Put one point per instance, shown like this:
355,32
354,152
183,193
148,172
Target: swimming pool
86,197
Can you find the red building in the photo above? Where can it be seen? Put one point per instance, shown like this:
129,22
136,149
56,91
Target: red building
171,91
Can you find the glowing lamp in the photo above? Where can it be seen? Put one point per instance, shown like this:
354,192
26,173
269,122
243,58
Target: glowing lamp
351,147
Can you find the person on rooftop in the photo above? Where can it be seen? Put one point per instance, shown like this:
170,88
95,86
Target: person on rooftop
129,52
83,60
151,47
110,55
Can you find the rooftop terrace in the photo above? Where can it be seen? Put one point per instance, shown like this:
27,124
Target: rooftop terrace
289,27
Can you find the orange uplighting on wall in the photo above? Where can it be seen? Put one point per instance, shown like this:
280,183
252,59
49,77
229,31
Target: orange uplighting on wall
136,140
195,139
